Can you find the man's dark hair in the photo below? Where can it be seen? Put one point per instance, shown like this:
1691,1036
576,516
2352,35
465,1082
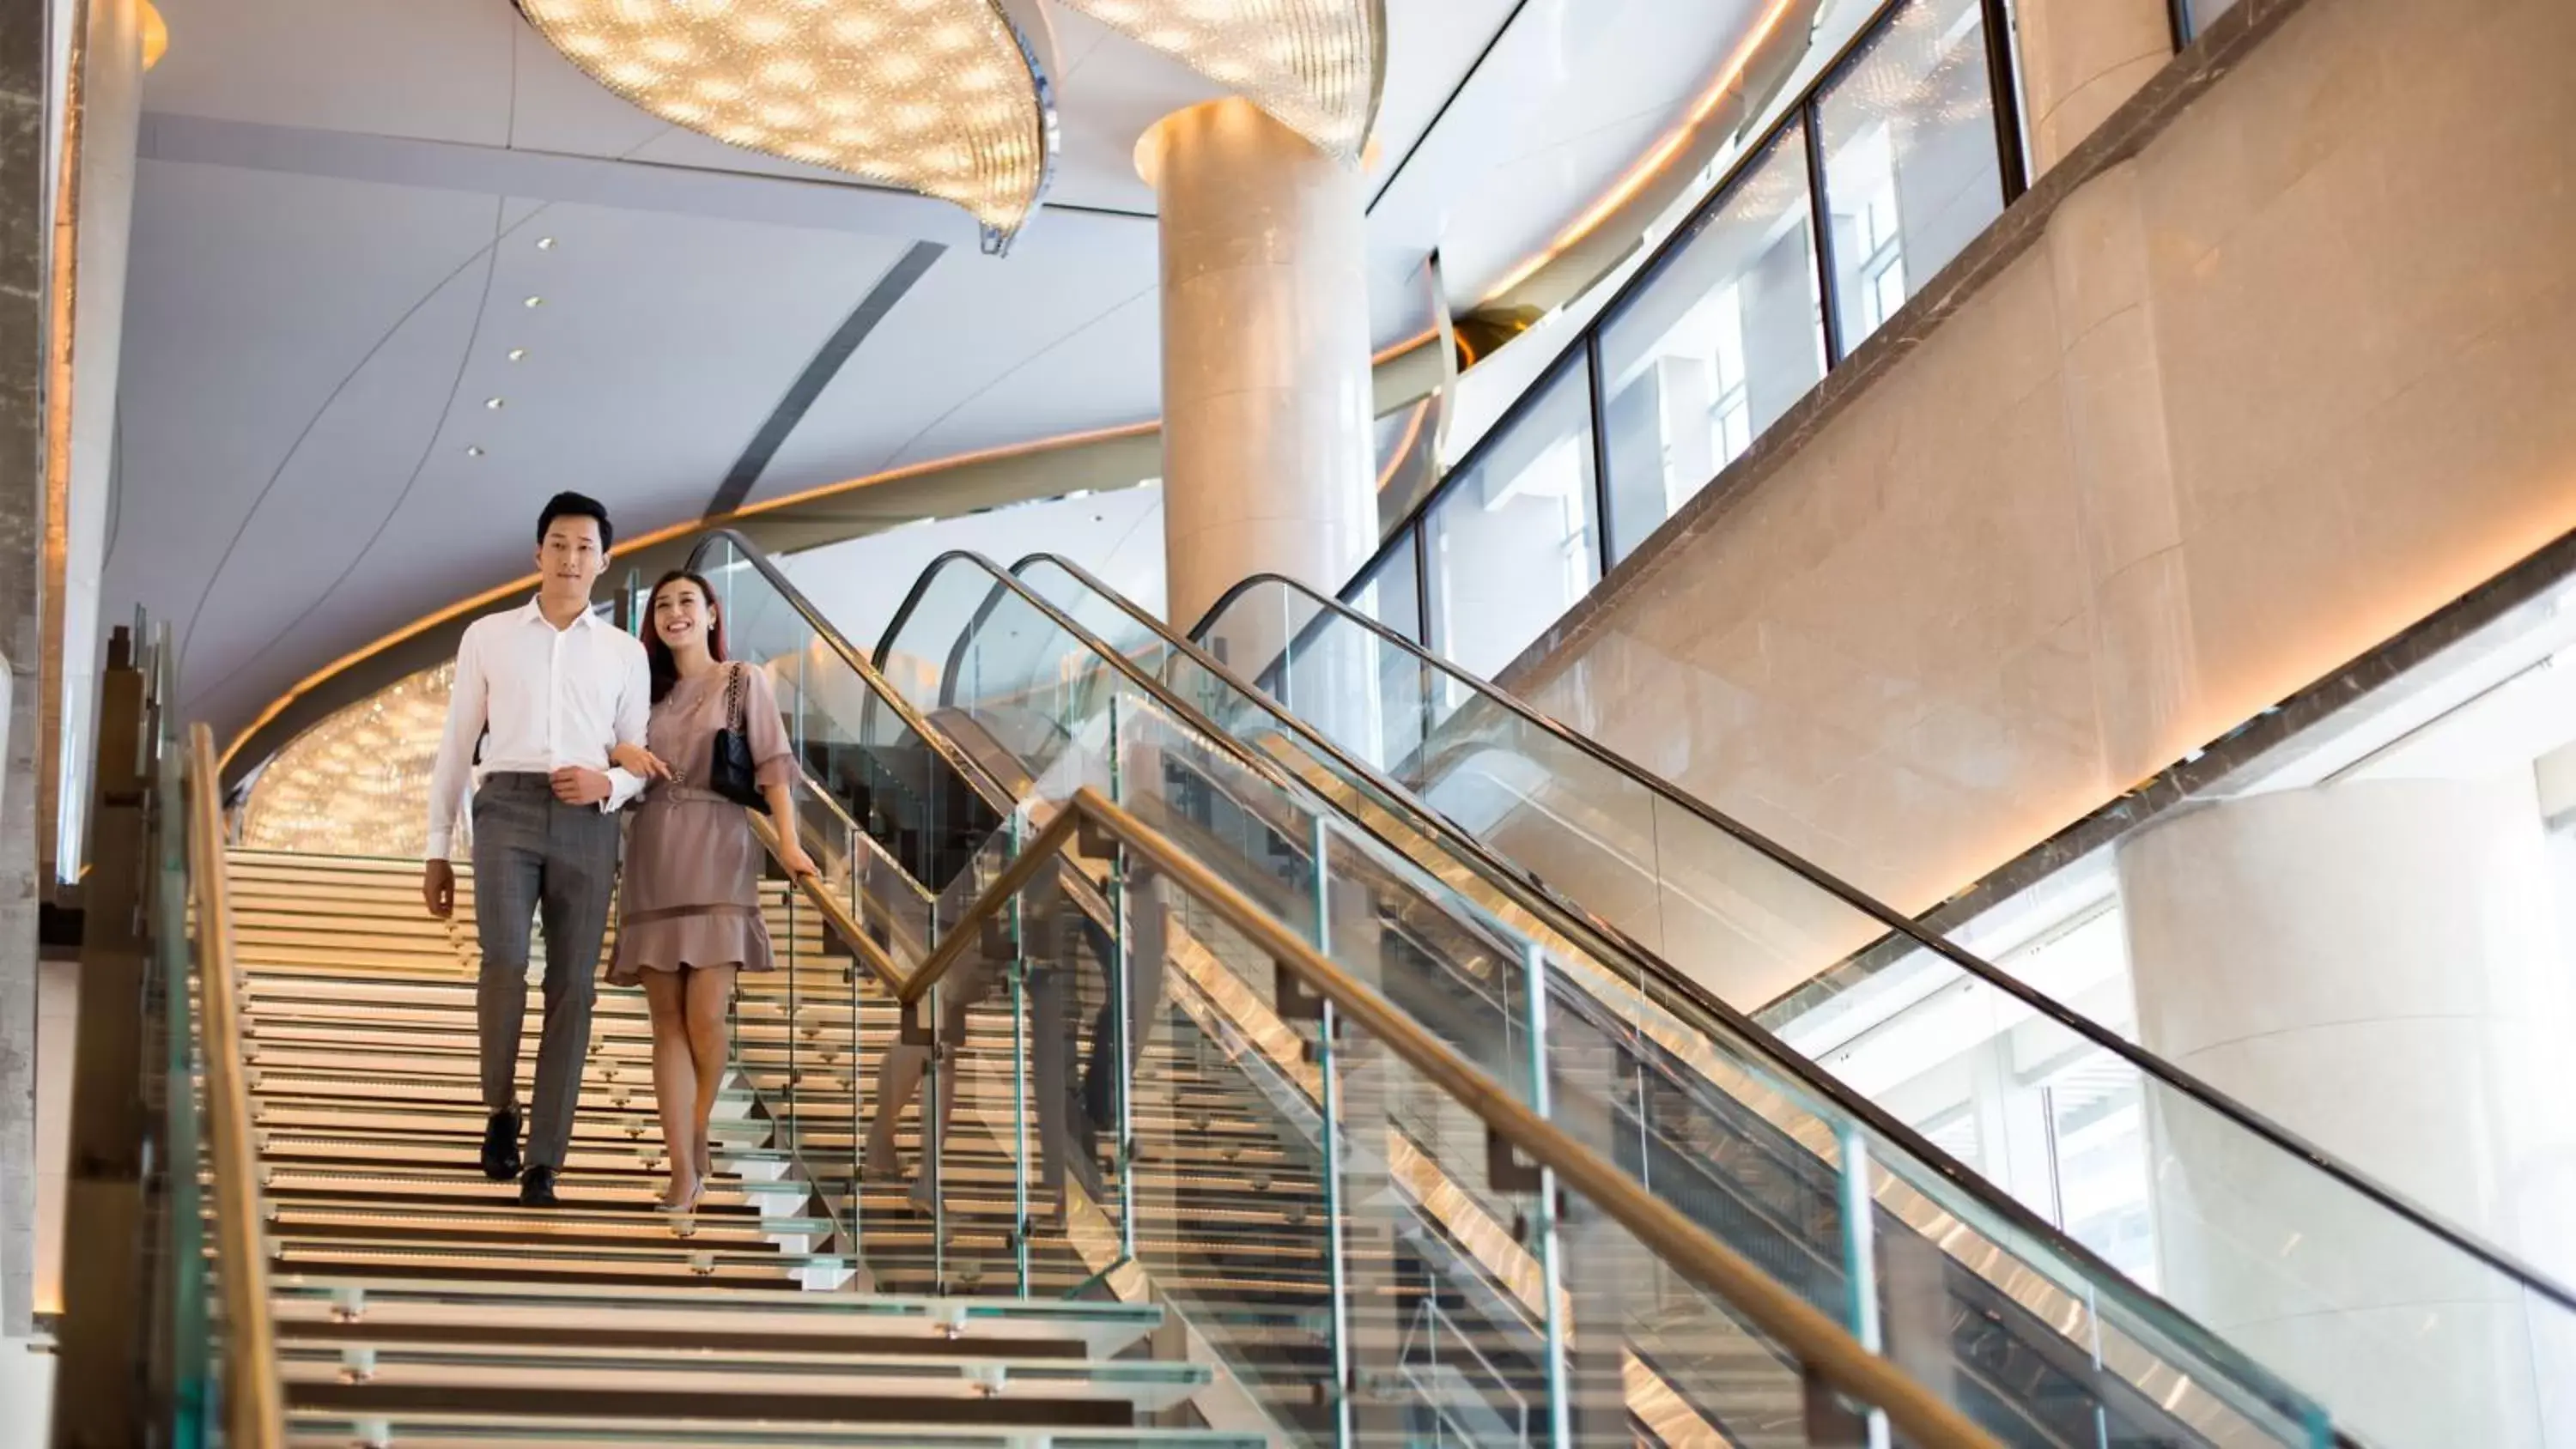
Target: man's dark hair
578,505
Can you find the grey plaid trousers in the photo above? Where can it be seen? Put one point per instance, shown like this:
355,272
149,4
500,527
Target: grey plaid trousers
535,855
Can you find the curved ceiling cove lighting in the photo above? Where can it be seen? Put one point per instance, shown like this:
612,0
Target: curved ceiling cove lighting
1317,65
944,97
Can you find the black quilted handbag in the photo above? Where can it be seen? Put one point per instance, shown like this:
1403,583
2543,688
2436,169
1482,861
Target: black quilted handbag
730,773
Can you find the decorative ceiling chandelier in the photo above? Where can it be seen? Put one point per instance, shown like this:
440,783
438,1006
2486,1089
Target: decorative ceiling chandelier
952,98
1317,65
943,97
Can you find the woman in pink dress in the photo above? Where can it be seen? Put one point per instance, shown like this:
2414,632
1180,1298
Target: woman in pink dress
689,902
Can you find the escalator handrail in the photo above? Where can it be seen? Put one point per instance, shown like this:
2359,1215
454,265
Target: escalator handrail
1899,924
1608,943
936,741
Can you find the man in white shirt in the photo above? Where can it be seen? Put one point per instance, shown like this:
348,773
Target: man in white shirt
559,689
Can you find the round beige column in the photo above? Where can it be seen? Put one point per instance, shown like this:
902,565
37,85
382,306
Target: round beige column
1265,356
2080,59
2376,965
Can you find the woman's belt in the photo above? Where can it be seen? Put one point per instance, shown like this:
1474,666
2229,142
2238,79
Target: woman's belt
691,793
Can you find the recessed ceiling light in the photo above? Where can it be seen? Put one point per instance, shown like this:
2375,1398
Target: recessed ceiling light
494,403
534,302
518,354
474,450
545,244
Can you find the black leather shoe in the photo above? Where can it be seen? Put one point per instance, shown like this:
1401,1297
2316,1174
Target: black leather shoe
501,1146
537,1189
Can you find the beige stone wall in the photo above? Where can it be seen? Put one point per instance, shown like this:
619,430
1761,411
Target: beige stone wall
2294,376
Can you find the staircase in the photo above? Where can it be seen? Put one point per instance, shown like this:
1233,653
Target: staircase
419,1304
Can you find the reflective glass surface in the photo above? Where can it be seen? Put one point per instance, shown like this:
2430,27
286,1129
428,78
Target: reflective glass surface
1511,536
2205,12
1407,458
1715,345
1320,1213
1911,174
1391,593
2158,1183
1699,1108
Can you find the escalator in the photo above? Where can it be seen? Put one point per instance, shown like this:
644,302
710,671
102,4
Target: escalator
1309,1237
1575,839
1698,1111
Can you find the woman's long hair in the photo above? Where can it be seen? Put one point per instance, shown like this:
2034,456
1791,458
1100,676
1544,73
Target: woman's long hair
666,669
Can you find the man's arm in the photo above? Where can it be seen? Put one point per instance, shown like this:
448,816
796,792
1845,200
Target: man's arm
634,711
468,709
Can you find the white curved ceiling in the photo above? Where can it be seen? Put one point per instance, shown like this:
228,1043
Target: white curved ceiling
337,219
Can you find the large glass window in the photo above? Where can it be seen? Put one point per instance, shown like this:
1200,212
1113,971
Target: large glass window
1714,346
1511,545
1911,174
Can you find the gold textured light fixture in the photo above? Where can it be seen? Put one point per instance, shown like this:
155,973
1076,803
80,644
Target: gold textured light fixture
355,783
1319,66
947,98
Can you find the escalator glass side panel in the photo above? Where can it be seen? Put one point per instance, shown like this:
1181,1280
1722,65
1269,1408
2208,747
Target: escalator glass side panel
2228,1221
1339,1230
1457,970
1673,885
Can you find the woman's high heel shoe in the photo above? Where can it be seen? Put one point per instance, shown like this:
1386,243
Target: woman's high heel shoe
682,1211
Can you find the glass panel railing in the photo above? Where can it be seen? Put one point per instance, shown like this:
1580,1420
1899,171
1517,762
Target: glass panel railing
1337,1205
2229,1219
1706,1109
1738,923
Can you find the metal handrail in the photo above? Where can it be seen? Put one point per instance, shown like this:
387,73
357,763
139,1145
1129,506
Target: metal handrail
1818,1343
255,1400
1034,857
1897,923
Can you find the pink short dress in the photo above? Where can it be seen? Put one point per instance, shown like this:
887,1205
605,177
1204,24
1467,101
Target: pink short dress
690,893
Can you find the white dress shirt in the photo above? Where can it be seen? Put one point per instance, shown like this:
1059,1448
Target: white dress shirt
552,697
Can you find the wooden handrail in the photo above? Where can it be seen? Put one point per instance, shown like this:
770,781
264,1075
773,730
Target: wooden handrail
1015,877
254,1399
835,912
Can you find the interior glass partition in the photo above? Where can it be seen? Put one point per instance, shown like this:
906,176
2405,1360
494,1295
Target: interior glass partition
1391,592
1511,538
1907,129
1715,344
